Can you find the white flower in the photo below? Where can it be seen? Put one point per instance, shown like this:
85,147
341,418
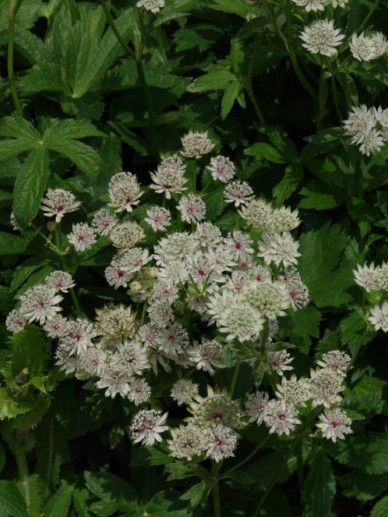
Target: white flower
207,355
378,317
82,236
160,313
279,249
103,221
196,144
326,386
40,303
132,356
192,208
56,327
238,193
270,299
362,126
334,424
65,358
169,177
90,362
335,359
139,391
368,48
312,5
222,168
60,280
147,427
183,391
15,322
280,361
240,243
256,405
372,278
153,6
124,192
339,3
158,218
79,335
294,391
221,442
297,289
59,202
115,379
188,441
321,37
126,234
281,417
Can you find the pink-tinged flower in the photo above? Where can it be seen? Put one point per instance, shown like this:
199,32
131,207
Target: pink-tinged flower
82,236
60,280
334,424
192,209
238,193
222,168
59,202
40,303
158,218
147,426
15,322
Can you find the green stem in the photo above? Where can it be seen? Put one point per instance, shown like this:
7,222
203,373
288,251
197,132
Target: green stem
128,51
299,458
246,459
13,7
22,465
367,17
216,491
234,378
249,85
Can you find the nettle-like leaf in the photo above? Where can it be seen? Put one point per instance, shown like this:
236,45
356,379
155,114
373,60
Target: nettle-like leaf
62,137
324,267
319,488
12,503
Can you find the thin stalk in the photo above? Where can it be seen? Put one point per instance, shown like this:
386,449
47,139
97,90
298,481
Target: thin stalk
249,85
299,458
246,459
335,98
216,491
13,7
22,466
128,51
367,17
234,378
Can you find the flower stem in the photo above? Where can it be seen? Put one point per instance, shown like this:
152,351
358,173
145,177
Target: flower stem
216,491
246,459
13,7
234,378
22,465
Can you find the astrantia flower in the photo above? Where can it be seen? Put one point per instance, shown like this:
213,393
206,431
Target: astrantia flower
312,5
270,299
183,391
132,356
372,278
187,441
334,424
169,177
139,391
326,386
280,361
336,359
283,219
158,218
378,317
126,234
103,221
367,48
79,335
281,417
61,281
196,144
222,168
90,362
279,249
160,313
115,380
321,37
339,3
82,236
240,243
294,391
153,6
147,426
208,235
59,202
65,358
221,442
297,289
15,322
192,208
56,327
207,355
116,323
124,192
238,193
257,213
40,303
256,405
217,407
361,126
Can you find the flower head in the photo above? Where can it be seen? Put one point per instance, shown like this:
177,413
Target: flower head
238,193
124,192
222,168
378,317
158,218
147,426
169,178
192,208
58,202
40,303
82,236
60,280
281,417
334,424
196,144
321,37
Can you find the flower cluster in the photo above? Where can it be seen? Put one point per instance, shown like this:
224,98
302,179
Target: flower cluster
368,128
196,294
374,280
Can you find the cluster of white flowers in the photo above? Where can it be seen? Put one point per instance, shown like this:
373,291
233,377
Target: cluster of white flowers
319,5
368,128
368,47
375,278
234,285
153,6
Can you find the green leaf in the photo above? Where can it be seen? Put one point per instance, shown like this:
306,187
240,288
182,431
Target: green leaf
29,351
9,407
354,332
288,184
12,503
228,99
59,504
262,151
196,494
84,156
12,244
323,266
318,196
319,488
30,186
217,78
380,509
366,396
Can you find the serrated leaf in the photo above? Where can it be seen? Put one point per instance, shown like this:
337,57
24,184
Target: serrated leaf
12,503
288,184
30,186
9,407
29,352
228,99
196,494
59,504
11,244
84,156
380,509
262,151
